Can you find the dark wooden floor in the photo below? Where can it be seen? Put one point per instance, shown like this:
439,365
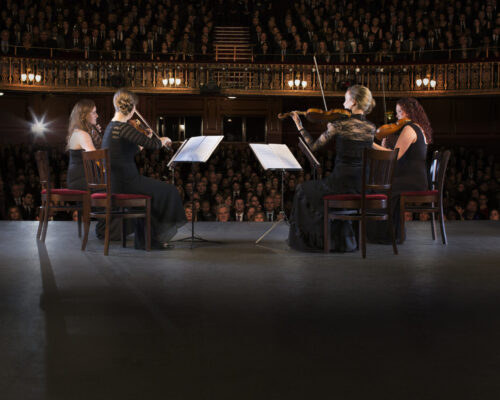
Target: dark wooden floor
238,321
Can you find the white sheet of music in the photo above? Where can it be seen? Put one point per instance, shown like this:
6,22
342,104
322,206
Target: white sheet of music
275,156
198,149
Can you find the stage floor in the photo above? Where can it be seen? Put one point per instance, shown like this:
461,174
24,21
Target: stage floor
235,320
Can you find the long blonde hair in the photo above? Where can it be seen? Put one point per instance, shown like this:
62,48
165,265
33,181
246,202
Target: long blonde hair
124,101
79,116
363,97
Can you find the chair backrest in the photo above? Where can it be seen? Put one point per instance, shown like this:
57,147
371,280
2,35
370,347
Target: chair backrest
378,168
438,169
97,169
42,163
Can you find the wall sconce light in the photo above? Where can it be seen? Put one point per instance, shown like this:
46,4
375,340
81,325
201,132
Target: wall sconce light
38,78
31,77
304,84
171,81
290,83
24,77
426,82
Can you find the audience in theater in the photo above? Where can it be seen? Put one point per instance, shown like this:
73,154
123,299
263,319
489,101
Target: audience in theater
232,186
336,32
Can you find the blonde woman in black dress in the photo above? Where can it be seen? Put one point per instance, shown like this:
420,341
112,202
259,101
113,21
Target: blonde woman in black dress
352,136
123,142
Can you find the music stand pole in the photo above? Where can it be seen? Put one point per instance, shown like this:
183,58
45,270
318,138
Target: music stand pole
282,213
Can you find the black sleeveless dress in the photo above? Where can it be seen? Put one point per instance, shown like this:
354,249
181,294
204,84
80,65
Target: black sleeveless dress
351,136
410,175
167,212
76,176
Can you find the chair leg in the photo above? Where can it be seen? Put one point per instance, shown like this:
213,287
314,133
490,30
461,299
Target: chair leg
402,206
441,220
433,224
362,236
393,234
148,225
45,221
40,222
80,212
326,228
106,232
124,232
86,223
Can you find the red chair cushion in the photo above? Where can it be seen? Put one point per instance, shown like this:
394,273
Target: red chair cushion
65,191
420,193
354,196
120,196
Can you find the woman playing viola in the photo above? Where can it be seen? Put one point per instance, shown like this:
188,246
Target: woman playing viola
352,135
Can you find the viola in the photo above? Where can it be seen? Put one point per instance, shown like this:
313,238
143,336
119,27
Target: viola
316,115
389,129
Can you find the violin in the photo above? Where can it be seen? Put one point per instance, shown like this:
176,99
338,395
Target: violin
389,129
315,115
142,126
138,125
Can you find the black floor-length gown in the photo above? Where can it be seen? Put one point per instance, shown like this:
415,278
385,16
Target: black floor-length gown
351,136
167,212
411,174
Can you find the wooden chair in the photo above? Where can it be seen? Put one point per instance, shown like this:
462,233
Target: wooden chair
428,200
51,195
123,205
372,204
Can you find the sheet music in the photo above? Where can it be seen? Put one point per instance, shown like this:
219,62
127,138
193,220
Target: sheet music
275,156
197,149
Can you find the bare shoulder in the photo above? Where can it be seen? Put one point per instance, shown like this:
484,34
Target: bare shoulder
409,133
78,139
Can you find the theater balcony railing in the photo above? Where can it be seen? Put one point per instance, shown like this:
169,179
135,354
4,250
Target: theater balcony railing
275,79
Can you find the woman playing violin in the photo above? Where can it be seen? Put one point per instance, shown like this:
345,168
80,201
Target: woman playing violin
83,134
123,141
351,136
411,169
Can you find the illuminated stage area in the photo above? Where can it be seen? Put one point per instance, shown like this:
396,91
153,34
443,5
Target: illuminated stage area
236,320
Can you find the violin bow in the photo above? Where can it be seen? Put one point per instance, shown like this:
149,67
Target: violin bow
381,71
320,84
145,123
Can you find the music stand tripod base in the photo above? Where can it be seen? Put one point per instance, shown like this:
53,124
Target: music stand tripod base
282,217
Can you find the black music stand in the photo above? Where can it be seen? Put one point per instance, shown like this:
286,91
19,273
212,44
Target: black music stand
197,149
277,157
310,156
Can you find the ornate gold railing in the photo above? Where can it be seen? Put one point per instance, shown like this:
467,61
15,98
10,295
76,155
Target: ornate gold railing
451,79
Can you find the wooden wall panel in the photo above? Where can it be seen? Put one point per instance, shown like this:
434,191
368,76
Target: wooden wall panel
469,121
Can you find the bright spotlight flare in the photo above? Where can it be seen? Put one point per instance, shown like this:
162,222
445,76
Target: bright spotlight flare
38,126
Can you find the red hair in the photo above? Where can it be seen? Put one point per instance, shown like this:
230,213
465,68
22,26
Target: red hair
416,113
